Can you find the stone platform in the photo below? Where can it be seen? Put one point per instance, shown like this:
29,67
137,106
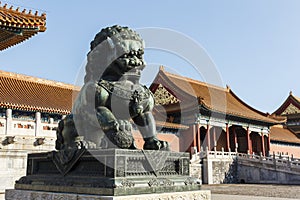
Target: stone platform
24,195
108,172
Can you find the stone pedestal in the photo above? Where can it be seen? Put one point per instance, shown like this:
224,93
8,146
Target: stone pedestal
108,172
24,194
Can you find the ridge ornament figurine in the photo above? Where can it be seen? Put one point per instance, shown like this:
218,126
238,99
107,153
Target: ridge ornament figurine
112,97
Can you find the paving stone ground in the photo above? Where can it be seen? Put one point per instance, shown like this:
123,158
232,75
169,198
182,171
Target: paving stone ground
256,191
243,197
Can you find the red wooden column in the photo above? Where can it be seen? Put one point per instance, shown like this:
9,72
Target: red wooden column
194,136
249,141
263,144
227,137
269,142
198,137
208,137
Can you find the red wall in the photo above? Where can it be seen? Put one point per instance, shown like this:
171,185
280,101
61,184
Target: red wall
285,149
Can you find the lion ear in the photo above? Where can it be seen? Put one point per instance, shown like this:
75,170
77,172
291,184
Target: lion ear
111,43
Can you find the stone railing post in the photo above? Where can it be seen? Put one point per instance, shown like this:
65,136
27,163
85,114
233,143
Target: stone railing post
260,156
222,149
288,163
274,160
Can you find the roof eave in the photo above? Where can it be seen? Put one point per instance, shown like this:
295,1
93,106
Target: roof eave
231,116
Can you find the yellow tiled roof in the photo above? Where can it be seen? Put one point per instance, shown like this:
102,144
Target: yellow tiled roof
215,98
283,135
17,26
35,94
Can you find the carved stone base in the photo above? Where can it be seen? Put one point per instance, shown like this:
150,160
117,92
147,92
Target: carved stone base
108,172
25,194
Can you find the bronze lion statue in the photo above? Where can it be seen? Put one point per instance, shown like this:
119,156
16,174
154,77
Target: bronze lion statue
111,99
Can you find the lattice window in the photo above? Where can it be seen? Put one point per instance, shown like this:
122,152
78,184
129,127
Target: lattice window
163,97
291,109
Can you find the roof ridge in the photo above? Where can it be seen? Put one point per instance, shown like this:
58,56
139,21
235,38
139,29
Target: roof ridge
38,80
197,81
249,106
295,97
16,19
23,12
290,99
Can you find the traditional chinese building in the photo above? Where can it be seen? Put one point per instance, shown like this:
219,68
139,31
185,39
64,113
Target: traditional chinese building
190,115
23,128
19,25
216,117
30,109
32,106
286,138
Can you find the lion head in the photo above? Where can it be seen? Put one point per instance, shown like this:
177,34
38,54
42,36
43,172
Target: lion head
115,52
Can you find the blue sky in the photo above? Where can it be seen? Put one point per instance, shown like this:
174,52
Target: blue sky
254,44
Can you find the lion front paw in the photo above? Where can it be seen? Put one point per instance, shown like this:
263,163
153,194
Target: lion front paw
156,144
119,139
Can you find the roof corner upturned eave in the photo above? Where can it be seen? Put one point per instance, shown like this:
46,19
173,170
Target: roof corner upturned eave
17,26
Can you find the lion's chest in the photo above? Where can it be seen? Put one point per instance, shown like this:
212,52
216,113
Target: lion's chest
127,100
